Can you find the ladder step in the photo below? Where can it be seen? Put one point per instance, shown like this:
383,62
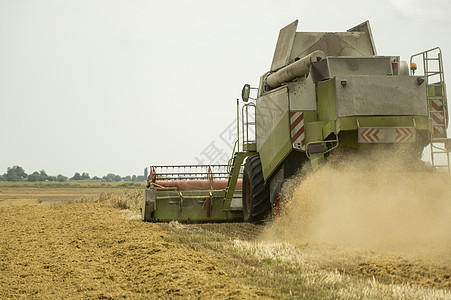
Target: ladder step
439,141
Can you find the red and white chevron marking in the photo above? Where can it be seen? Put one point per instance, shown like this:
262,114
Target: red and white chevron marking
297,129
386,135
370,135
437,115
439,129
405,135
438,118
438,122
437,104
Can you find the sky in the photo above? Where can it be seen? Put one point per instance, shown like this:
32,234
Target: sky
113,86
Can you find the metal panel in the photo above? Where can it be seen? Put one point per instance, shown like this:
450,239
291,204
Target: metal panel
371,135
380,95
350,123
276,148
326,101
365,27
333,44
302,95
284,46
148,204
270,110
192,206
377,65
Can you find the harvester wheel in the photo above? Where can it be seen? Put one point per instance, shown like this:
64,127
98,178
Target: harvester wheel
256,202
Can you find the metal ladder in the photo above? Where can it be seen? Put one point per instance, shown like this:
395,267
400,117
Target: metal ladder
437,105
248,127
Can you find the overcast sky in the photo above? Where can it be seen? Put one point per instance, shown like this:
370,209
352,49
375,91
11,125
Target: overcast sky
114,86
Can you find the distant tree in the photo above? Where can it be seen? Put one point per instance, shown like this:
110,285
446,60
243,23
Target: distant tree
112,178
61,178
43,175
134,178
40,176
85,176
35,176
141,178
96,178
127,178
1,178
76,176
15,173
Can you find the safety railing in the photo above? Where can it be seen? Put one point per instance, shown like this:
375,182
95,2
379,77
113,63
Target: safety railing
431,67
248,123
188,172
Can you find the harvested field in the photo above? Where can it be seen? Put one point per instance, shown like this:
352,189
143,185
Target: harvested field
53,193
94,250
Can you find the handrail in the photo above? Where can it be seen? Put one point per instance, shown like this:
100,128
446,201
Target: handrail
189,172
245,113
230,162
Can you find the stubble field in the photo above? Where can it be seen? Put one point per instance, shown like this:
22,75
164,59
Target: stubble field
75,242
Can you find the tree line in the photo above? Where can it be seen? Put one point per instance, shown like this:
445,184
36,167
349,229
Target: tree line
17,173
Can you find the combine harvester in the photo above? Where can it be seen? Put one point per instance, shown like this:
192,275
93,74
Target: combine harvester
324,91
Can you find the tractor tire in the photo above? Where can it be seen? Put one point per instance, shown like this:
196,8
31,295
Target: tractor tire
256,202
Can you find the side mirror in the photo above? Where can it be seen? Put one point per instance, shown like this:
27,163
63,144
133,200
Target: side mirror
245,92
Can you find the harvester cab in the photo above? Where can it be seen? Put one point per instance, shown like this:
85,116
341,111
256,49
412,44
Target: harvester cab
324,91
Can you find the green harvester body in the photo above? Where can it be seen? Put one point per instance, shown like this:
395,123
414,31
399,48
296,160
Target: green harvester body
324,91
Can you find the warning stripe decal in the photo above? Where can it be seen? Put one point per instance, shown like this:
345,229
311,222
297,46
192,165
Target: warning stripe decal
438,118
371,135
297,135
437,105
297,119
439,129
297,130
404,134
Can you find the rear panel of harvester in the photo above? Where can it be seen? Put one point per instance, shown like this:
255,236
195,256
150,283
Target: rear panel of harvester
353,96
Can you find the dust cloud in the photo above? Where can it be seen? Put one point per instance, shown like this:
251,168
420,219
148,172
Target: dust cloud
377,200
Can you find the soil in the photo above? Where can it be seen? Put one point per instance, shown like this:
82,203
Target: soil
91,250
